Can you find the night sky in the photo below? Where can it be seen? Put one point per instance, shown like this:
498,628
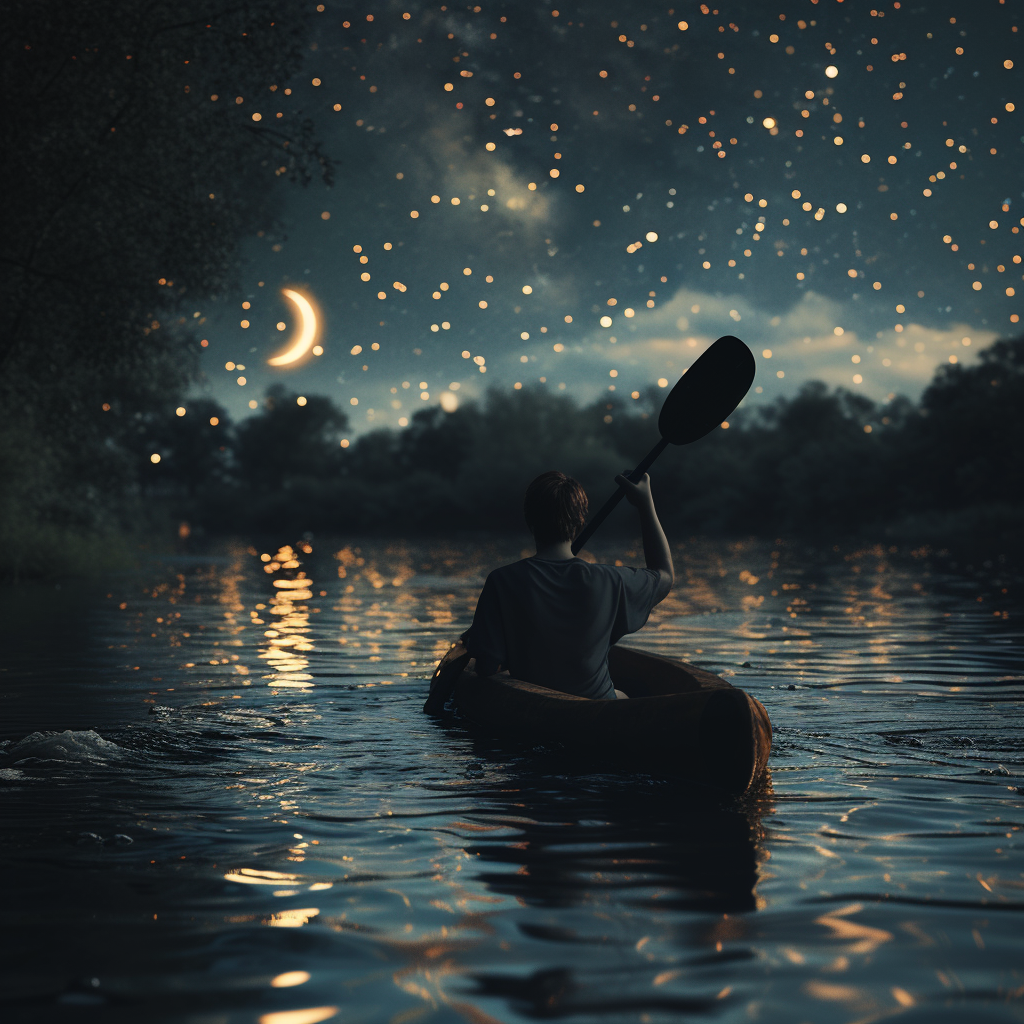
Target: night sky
588,195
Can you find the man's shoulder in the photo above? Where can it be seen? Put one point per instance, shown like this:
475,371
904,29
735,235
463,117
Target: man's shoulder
618,569
608,574
512,569
573,566
634,579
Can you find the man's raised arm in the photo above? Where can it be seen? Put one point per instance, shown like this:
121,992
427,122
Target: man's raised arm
657,553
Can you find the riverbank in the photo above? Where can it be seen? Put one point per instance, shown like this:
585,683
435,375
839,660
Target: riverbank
988,537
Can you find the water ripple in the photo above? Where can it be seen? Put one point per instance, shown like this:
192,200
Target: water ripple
297,836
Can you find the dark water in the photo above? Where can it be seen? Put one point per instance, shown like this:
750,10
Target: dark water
221,803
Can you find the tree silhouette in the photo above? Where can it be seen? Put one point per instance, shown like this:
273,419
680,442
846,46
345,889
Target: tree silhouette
195,449
129,187
965,447
292,438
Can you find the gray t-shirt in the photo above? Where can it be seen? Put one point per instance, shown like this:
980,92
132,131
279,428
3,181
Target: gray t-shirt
552,622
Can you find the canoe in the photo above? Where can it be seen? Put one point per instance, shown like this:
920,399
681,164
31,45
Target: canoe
679,720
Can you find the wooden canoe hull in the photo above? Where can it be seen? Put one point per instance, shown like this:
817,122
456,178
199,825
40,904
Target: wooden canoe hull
679,720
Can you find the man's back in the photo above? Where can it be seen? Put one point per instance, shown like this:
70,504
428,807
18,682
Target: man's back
552,621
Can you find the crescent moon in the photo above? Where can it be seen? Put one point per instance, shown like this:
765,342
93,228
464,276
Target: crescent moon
303,341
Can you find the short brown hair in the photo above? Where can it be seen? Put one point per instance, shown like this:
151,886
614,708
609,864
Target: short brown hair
555,507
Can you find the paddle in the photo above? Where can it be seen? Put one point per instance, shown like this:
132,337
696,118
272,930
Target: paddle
703,397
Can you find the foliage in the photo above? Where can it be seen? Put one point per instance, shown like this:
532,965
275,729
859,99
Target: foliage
819,465
966,445
945,472
131,188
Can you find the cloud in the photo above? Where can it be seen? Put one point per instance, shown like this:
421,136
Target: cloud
467,173
816,339
517,201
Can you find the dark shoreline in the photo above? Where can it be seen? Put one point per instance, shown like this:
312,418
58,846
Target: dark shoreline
919,539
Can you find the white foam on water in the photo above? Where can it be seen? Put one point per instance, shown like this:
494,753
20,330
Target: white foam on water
10,774
69,745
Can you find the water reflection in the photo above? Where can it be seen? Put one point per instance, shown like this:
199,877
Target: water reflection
315,845
651,847
601,883
285,643
308,1015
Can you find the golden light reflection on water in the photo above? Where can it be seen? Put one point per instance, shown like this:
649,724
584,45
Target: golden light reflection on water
311,1015
290,979
285,643
254,876
401,605
864,938
293,918
391,609
902,996
830,992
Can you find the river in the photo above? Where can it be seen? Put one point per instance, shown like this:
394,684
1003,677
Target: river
222,802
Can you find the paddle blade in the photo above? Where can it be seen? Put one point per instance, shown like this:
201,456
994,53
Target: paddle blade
708,392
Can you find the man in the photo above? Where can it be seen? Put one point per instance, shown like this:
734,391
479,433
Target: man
550,619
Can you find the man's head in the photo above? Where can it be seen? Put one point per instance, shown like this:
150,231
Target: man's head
555,507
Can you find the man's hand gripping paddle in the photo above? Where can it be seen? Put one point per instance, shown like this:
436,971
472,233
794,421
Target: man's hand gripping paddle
704,396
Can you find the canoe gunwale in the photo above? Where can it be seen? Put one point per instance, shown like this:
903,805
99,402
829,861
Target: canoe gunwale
680,719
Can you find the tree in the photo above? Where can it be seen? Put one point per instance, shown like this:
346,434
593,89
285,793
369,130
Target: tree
965,446
133,165
291,438
193,449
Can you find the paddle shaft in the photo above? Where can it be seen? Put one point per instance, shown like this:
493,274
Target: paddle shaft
609,506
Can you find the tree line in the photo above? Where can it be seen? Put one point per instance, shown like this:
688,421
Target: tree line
823,464
131,167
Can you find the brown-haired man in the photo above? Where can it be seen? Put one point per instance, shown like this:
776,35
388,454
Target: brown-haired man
550,619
